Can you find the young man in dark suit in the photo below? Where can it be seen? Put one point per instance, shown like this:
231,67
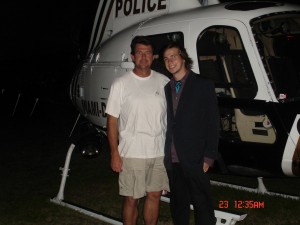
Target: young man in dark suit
191,139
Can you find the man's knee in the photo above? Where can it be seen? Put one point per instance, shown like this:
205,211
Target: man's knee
130,201
154,195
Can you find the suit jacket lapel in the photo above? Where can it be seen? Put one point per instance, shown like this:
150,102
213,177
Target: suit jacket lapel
184,98
169,100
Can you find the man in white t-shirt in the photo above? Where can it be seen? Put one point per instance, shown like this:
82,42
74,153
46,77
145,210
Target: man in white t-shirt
136,127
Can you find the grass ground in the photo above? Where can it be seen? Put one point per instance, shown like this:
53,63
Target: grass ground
33,149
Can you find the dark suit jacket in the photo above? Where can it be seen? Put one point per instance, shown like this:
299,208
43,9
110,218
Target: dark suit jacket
195,127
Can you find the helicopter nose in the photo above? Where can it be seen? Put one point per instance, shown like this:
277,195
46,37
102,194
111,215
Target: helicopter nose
74,90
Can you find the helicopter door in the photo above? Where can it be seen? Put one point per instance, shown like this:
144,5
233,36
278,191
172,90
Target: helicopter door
222,57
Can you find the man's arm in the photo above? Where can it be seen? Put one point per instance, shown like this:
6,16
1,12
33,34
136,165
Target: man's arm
112,134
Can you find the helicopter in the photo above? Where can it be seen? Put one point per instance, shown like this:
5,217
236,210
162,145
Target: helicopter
248,48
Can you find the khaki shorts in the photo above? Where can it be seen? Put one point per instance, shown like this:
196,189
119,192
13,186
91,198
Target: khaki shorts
139,176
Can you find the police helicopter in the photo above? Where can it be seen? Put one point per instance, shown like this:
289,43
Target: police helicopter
250,49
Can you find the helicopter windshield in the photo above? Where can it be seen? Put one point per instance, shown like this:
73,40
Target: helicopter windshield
278,41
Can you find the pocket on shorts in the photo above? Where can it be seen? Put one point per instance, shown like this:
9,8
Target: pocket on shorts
131,181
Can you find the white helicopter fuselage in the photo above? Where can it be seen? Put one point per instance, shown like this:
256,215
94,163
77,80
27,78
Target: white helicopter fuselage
236,45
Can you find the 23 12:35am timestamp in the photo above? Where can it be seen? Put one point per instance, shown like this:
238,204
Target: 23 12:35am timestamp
241,204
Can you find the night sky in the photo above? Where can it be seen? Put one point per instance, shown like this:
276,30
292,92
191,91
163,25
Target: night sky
41,42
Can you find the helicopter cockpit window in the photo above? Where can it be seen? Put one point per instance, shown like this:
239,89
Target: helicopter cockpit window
160,41
278,41
222,58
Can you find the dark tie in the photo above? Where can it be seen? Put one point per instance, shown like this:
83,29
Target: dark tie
177,85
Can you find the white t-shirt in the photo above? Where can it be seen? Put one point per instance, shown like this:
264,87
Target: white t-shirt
140,105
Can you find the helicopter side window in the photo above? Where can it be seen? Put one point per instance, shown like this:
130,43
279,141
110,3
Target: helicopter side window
223,59
278,37
284,65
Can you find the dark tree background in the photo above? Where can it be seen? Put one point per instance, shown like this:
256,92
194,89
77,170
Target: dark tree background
42,42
